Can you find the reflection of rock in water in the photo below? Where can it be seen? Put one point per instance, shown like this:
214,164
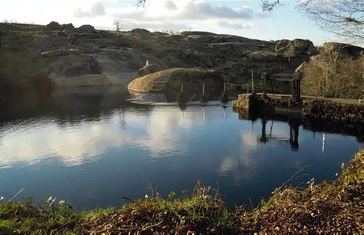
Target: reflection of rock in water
150,97
294,127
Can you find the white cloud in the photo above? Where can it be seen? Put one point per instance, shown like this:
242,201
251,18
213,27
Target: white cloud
97,9
204,10
233,24
185,15
171,5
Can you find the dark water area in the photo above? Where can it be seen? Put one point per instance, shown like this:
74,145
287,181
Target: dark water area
92,147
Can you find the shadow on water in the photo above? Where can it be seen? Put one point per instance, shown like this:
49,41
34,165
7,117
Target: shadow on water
67,104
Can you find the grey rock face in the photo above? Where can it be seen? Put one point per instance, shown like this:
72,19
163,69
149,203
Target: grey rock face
301,46
75,65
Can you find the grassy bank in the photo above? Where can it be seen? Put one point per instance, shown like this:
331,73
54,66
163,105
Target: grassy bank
328,207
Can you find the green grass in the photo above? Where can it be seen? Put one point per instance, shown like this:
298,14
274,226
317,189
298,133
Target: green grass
32,218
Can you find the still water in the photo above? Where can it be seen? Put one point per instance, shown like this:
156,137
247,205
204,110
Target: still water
92,147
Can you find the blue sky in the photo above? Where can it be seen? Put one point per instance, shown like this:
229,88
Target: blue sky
238,17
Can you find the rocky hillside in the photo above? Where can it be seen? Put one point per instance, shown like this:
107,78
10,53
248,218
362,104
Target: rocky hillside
84,56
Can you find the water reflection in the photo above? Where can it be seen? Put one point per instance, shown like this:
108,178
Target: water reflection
295,121
294,124
159,131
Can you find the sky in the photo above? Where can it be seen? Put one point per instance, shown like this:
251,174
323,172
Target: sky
237,17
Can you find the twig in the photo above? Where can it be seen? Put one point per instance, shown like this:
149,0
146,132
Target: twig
292,177
251,203
151,226
21,190
126,198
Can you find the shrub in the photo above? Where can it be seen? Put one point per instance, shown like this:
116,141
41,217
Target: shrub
334,76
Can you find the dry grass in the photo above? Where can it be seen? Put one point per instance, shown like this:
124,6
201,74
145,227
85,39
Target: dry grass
335,207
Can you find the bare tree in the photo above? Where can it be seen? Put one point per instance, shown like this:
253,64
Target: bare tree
342,17
269,5
332,75
141,2
117,27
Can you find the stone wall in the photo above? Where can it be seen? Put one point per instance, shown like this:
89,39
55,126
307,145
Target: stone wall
333,111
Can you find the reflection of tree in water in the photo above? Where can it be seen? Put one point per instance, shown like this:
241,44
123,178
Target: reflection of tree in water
294,124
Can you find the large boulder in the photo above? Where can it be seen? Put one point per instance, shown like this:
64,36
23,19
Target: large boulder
88,29
302,47
342,49
53,26
141,32
295,48
67,28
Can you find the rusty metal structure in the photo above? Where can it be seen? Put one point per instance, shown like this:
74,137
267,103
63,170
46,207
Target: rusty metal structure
294,79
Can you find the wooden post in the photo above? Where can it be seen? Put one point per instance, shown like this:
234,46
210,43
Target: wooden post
299,89
264,82
182,87
203,88
253,88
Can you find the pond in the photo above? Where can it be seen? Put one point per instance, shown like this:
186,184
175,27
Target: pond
92,147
